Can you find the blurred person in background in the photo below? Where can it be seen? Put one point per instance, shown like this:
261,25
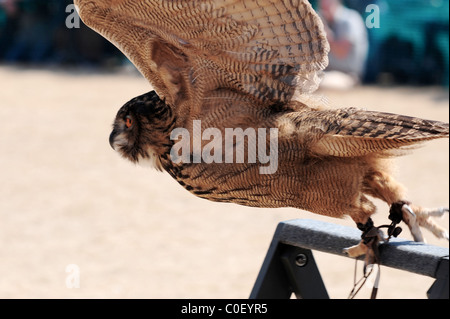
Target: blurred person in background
32,35
9,17
35,31
349,44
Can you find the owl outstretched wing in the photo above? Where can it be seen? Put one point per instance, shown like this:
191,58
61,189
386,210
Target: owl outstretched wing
266,49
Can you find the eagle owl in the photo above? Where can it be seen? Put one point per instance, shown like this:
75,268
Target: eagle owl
218,65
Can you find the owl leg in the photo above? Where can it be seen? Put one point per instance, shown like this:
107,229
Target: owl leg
383,186
371,235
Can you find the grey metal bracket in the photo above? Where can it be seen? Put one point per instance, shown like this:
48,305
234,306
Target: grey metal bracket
289,266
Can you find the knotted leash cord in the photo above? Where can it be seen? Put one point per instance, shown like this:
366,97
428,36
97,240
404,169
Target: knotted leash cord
370,238
357,285
361,282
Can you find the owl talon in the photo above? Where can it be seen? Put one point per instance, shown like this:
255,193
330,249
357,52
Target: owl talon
407,210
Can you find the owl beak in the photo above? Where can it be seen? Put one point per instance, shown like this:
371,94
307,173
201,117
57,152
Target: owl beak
112,138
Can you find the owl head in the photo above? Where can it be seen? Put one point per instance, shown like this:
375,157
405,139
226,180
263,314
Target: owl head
140,130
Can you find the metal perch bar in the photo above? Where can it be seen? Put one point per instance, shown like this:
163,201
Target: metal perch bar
289,266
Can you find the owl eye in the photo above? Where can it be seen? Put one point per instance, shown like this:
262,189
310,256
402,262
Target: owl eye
128,122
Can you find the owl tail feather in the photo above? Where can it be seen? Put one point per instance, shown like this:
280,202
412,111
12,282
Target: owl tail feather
354,132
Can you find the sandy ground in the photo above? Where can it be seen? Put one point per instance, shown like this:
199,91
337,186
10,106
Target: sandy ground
67,199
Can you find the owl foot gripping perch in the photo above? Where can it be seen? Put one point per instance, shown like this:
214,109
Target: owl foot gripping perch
372,237
400,211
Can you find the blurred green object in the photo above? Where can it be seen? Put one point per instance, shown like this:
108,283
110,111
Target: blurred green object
412,44
413,40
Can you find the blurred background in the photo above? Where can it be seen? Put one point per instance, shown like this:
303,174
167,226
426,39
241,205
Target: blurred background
78,221
35,32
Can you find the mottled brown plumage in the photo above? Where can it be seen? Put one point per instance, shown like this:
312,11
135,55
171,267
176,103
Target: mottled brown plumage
253,64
